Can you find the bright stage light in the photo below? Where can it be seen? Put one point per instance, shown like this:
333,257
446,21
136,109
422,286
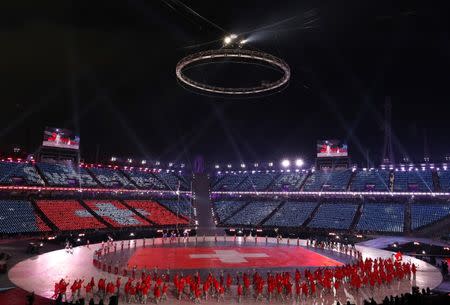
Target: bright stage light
216,166
227,40
143,162
243,41
285,163
299,163
243,165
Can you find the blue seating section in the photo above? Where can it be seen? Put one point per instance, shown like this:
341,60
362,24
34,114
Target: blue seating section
289,182
413,181
111,178
145,180
170,179
253,213
334,216
382,217
66,175
423,214
17,216
179,207
12,173
256,182
336,180
370,180
444,180
291,214
229,182
224,209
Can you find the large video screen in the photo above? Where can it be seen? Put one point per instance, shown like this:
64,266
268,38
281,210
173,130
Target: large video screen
62,138
331,148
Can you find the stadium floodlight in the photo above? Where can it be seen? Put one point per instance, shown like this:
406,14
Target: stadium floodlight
130,160
243,41
217,166
229,165
256,165
170,164
227,40
233,36
285,163
144,162
299,162
270,164
243,165
113,159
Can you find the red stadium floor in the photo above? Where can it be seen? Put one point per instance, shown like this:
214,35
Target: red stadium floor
228,257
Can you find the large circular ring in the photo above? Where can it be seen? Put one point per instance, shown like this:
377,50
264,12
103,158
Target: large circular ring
257,56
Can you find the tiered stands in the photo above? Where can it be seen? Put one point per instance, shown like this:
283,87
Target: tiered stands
382,217
229,182
156,213
336,180
291,214
68,215
413,181
444,180
18,216
224,209
370,180
256,182
289,182
179,207
12,173
111,178
170,179
116,213
334,216
253,213
423,214
66,175
145,180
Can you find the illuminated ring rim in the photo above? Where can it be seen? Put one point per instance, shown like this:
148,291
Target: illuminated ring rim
234,53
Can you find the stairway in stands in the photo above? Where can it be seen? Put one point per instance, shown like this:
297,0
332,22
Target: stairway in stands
313,214
44,217
357,216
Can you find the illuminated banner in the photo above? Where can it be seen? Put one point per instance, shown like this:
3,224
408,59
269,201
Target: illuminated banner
331,148
62,138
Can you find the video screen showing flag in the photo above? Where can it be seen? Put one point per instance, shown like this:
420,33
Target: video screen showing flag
62,138
331,148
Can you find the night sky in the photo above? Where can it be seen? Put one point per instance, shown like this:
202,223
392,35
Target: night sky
107,71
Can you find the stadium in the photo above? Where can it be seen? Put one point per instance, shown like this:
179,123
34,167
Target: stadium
214,186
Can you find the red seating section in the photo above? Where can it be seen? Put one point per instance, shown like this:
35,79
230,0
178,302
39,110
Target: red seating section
68,215
157,213
116,213
41,224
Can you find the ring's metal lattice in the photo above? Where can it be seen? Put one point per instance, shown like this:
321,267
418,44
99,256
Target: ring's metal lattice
234,54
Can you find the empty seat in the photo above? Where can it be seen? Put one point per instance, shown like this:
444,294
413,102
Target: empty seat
18,216
382,217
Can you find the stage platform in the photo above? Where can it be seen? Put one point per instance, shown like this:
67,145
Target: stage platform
209,255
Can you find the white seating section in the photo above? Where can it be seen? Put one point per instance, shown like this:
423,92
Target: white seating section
291,214
109,177
253,213
145,180
290,182
334,216
382,217
423,214
12,173
58,174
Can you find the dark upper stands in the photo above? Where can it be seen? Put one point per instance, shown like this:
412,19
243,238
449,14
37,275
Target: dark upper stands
370,180
256,182
289,181
109,177
413,181
145,179
444,180
170,179
229,182
58,174
327,180
13,173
